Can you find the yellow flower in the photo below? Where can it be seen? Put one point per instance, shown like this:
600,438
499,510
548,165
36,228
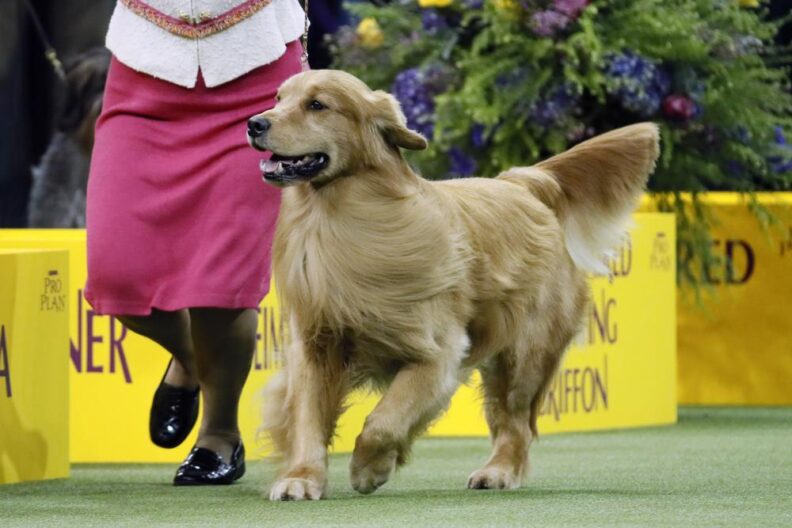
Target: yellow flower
505,5
435,3
369,33
748,3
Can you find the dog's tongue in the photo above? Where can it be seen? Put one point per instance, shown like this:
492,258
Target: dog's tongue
268,165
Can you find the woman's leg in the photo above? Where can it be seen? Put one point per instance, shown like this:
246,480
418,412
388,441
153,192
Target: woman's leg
170,330
224,342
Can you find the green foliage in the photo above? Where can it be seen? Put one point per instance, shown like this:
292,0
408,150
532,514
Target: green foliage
525,86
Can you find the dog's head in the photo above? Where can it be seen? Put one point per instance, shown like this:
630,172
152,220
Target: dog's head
86,74
327,124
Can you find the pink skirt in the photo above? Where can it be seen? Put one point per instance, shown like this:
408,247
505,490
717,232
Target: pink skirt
178,215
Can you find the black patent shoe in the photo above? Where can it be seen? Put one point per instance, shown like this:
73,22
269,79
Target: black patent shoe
205,467
174,412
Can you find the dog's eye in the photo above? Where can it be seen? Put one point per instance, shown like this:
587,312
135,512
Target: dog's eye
316,105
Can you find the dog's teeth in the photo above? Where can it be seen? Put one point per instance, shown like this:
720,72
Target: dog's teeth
283,167
269,166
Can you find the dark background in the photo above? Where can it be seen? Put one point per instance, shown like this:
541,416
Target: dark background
28,86
29,89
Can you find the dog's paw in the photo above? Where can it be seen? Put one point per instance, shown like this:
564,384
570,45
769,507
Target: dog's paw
294,489
369,471
493,478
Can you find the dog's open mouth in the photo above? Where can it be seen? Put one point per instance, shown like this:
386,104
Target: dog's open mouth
293,168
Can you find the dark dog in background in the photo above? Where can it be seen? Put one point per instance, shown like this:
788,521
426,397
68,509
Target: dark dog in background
57,195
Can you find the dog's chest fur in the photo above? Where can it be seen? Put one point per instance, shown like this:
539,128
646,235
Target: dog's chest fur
366,267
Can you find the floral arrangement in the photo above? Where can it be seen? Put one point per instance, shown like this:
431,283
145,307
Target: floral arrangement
500,83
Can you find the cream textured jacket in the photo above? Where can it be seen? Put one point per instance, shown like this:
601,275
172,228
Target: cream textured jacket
173,39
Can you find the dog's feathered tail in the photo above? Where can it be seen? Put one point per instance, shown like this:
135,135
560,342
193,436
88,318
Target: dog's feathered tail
594,187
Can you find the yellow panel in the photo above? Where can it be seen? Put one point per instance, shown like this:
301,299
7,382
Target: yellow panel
737,348
34,379
114,372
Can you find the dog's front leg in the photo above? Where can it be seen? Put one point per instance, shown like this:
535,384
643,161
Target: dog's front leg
417,395
301,409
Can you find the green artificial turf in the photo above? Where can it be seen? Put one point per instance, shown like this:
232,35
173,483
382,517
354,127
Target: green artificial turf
716,467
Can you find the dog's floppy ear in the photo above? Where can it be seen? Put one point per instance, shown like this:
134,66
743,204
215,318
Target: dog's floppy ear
392,124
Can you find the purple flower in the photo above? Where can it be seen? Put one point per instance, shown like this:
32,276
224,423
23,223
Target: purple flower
415,90
639,84
557,104
778,134
433,22
783,168
477,137
462,165
781,163
415,100
547,23
570,8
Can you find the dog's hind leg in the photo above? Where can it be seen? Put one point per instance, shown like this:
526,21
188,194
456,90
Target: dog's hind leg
417,395
515,379
302,405
513,386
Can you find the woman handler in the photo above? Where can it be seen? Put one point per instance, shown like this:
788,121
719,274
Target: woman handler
179,222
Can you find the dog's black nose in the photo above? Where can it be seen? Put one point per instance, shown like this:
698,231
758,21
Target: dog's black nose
258,125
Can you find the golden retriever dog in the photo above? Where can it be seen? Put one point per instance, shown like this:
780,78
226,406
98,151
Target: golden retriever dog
407,285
